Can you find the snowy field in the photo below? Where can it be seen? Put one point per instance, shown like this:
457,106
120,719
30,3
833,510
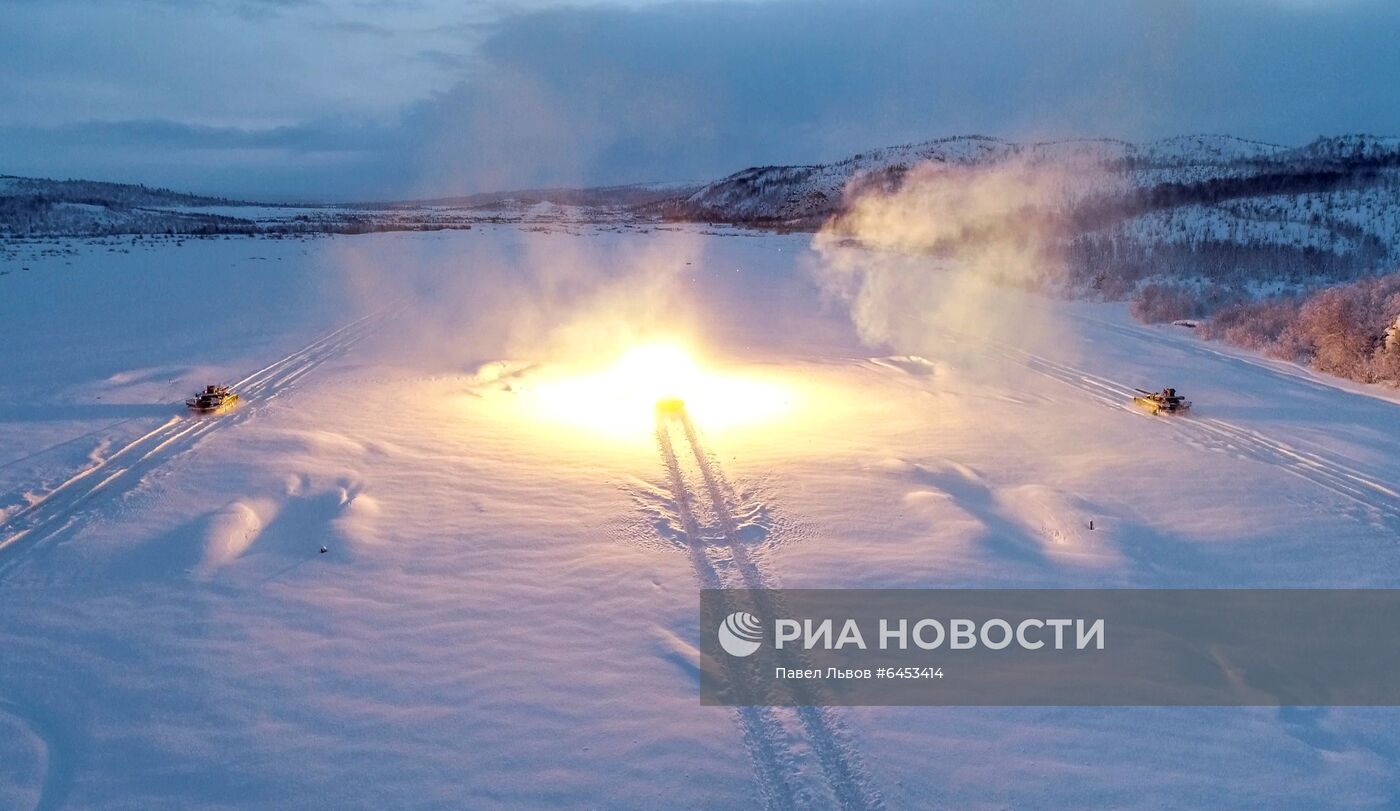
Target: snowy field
505,613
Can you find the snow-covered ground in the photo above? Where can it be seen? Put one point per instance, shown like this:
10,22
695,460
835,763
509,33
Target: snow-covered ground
505,613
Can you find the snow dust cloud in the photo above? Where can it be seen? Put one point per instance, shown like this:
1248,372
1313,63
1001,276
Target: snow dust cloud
539,294
541,285
949,250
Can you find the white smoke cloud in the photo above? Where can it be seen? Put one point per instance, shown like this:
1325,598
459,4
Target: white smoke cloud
950,249
525,293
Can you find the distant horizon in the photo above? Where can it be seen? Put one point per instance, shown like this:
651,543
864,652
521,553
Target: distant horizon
294,199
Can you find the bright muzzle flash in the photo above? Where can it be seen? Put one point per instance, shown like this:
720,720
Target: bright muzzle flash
622,400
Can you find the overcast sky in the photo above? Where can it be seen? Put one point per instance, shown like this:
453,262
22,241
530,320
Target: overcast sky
342,99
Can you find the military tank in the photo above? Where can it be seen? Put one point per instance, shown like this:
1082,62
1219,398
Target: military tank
670,407
1166,401
212,400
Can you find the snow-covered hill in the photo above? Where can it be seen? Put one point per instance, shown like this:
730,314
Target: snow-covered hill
37,207
1219,218
807,194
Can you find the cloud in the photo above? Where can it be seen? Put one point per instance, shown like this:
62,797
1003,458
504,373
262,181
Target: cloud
444,59
318,136
361,27
944,251
694,90
343,158
449,100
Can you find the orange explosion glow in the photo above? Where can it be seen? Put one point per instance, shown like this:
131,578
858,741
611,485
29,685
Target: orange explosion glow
621,400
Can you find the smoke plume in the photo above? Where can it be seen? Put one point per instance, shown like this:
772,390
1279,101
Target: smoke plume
525,294
949,249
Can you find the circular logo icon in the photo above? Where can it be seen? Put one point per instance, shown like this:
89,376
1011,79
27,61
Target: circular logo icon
740,634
